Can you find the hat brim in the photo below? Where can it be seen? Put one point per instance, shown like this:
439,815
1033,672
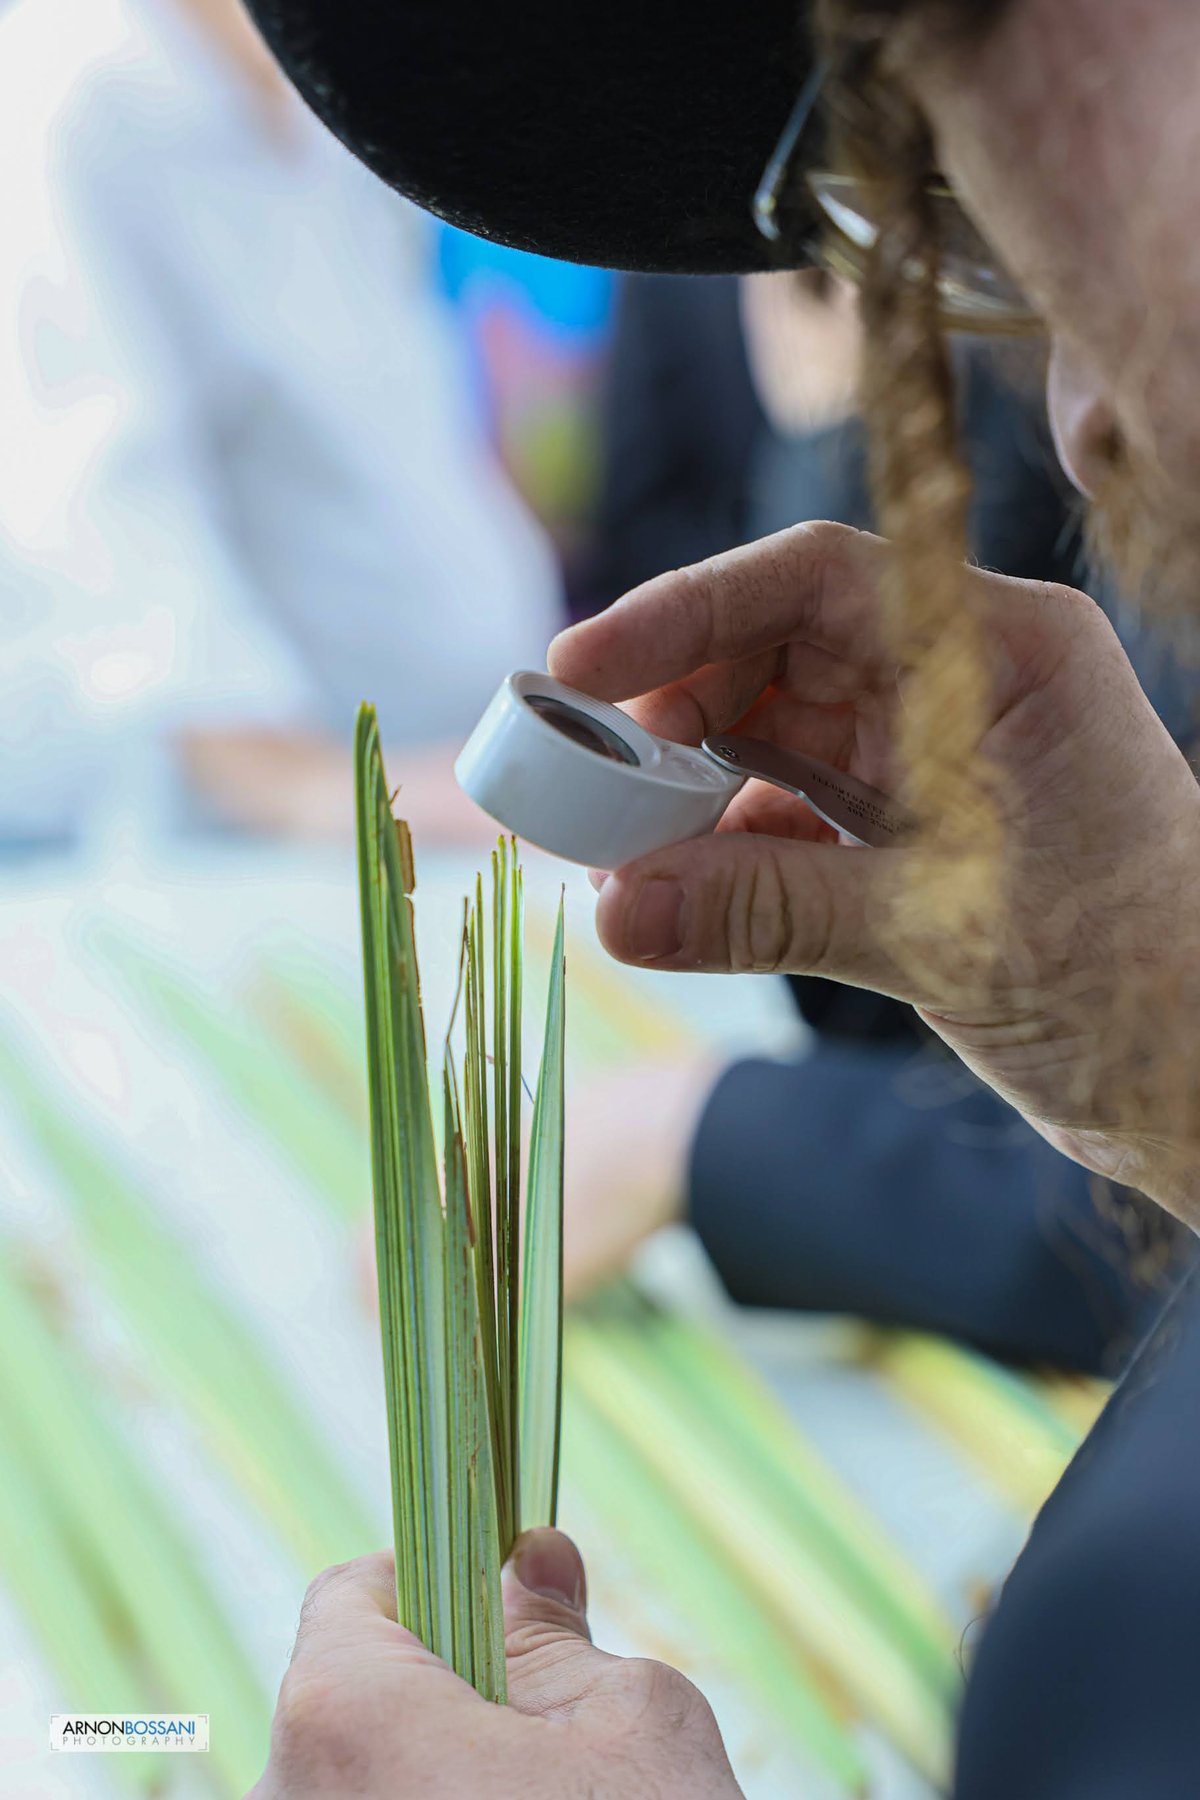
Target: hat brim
631,135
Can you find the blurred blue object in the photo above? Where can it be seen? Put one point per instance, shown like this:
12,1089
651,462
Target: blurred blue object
564,300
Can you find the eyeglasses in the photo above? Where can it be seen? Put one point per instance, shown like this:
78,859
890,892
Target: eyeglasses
975,291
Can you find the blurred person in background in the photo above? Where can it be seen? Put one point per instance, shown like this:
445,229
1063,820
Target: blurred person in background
538,332
243,485
873,1174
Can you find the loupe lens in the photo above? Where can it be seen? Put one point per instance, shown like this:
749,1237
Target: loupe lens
582,730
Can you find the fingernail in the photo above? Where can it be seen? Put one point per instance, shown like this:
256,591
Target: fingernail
655,927
547,1563
598,877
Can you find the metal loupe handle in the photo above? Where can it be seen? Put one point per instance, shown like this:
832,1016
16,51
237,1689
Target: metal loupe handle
862,812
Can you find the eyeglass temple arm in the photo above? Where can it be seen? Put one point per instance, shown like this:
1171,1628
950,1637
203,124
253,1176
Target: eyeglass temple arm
765,206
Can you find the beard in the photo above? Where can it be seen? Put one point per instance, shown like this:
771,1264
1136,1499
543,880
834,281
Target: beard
1146,534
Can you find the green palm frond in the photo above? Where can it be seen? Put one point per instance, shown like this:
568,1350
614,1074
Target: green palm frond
297,1112
471,1336
149,1594
540,1348
1002,1421
193,1337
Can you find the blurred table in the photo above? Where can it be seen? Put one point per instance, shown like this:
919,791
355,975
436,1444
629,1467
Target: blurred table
281,1255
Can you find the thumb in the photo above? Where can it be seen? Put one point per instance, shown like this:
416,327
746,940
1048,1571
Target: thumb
739,901
551,1662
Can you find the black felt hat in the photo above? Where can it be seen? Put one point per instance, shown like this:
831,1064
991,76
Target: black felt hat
631,134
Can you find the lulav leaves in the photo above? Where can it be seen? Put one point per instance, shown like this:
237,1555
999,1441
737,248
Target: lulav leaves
471,1338
542,1275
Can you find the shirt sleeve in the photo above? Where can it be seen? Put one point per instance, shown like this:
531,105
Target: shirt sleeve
879,1181
124,611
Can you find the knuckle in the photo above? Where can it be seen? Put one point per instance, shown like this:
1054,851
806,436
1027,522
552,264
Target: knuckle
759,923
312,1731
813,940
664,1701
1077,612
655,1687
376,1568
695,594
829,548
526,1638
714,592
315,1596
1072,599
1070,633
319,1586
825,537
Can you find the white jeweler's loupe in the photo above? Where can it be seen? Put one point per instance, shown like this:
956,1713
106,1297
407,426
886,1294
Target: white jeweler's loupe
580,778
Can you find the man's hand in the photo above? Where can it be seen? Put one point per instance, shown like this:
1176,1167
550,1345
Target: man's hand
804,346
627,1160
365,1710
297,783
1085,1010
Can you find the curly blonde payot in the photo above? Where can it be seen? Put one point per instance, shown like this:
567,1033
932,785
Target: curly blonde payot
921,490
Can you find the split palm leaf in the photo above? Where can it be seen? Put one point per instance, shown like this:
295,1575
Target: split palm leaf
471,1334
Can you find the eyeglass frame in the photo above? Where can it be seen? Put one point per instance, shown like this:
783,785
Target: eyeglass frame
787,156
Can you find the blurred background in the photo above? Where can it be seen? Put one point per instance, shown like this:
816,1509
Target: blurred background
272,443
